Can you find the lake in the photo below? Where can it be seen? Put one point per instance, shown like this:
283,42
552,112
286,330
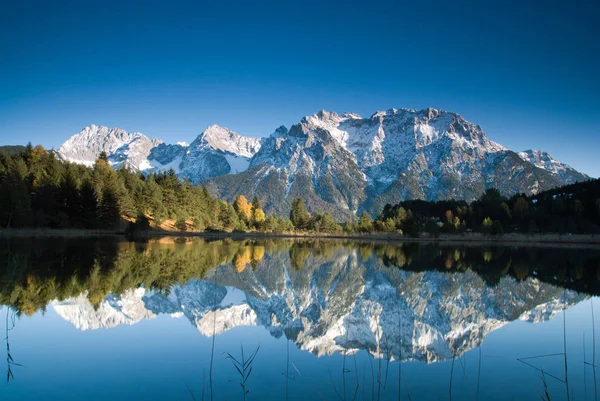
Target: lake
190,319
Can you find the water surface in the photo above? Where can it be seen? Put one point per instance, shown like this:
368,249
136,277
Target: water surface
168,319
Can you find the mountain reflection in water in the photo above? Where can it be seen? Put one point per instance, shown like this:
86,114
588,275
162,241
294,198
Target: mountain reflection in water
411,302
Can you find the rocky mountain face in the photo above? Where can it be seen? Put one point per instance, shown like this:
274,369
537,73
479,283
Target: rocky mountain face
545,161
339,303
217,151
122,148
341,163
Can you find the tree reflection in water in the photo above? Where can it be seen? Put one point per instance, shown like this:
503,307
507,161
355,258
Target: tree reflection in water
382,297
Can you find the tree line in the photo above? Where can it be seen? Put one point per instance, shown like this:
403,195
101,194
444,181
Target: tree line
572,208
38,190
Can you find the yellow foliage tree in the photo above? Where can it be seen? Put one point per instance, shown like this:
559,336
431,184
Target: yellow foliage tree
259,216
242,207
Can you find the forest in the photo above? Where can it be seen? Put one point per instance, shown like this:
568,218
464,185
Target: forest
570,209
39,191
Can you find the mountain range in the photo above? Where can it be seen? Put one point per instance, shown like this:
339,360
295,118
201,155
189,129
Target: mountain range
339,163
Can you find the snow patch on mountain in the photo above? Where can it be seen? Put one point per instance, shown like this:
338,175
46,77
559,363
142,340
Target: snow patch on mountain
227,141
122,148
172,165
237,164
545,161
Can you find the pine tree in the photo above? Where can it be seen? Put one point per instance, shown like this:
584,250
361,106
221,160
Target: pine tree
28,153
88,205
109,207
329,225
69,193
15,202
126,205
153,197
228,217
181,224
299,215
255,203
365,223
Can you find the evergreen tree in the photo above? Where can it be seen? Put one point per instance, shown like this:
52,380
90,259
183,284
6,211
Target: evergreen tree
88,205
413,226
255,203
126,205
365,223
69,193
299,215
432,227
109,213
324,223
15,206
153,198
228,217
520,209
181,224
28,154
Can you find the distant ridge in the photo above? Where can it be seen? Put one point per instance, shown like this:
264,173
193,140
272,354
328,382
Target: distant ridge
12,149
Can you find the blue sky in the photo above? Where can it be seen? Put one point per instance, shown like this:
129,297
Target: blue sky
527,73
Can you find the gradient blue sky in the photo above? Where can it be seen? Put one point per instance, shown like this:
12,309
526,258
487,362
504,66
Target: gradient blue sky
526,71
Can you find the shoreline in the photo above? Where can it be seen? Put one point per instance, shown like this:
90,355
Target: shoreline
543,240
475,238
58,233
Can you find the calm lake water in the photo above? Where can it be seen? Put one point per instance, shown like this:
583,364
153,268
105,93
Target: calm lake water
316,320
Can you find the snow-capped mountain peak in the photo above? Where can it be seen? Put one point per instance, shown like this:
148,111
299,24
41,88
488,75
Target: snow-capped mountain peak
130,149
226,140
545,161
215,152
352,115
